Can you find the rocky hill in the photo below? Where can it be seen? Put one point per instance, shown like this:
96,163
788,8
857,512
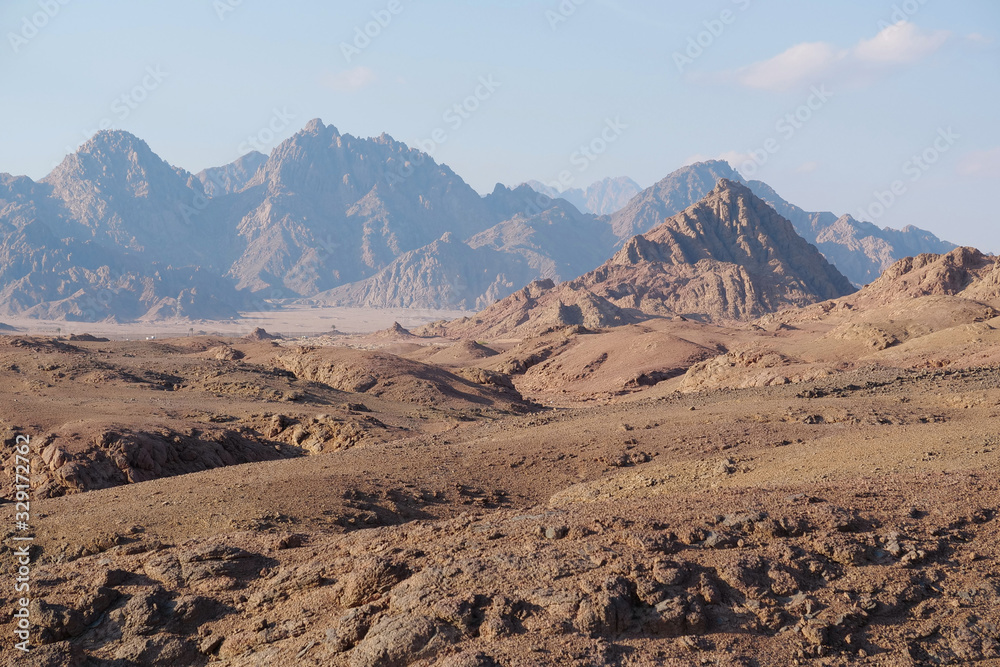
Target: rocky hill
728,257
731,256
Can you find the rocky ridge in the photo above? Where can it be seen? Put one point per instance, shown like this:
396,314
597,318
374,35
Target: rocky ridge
729,257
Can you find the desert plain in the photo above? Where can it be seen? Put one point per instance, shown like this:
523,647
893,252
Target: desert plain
816,486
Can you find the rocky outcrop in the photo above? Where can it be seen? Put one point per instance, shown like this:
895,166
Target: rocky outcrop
679,190
388,376
729,257
793,580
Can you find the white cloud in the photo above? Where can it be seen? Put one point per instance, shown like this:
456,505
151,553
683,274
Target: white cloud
901,44
808,167
350,80
979,38
981,163
817,62
803,64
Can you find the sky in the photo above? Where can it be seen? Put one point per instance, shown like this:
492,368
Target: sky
886,110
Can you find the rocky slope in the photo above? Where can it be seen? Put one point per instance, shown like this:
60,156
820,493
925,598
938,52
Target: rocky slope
728,257
929,311
818,524
859,250
232,177
558,243
782,492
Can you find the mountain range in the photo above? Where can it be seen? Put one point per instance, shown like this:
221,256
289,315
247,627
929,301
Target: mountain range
729,257
861,250
116,232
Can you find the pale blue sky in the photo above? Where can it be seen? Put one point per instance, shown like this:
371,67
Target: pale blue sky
894,92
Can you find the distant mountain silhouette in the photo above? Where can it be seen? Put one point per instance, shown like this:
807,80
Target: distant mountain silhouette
558,243
232,177
861,250
601,198
116,232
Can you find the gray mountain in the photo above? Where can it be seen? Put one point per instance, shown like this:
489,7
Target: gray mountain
328,209
603,197
233,177
53,266
861,250
557,243
115,191
115,231
668,197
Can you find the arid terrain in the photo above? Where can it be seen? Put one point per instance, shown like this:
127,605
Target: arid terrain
500,334
817,486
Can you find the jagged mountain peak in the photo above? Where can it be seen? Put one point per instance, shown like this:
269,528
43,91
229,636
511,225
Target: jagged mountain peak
728,257
114,141
669,196
316,125
114,155
720,165
734,226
